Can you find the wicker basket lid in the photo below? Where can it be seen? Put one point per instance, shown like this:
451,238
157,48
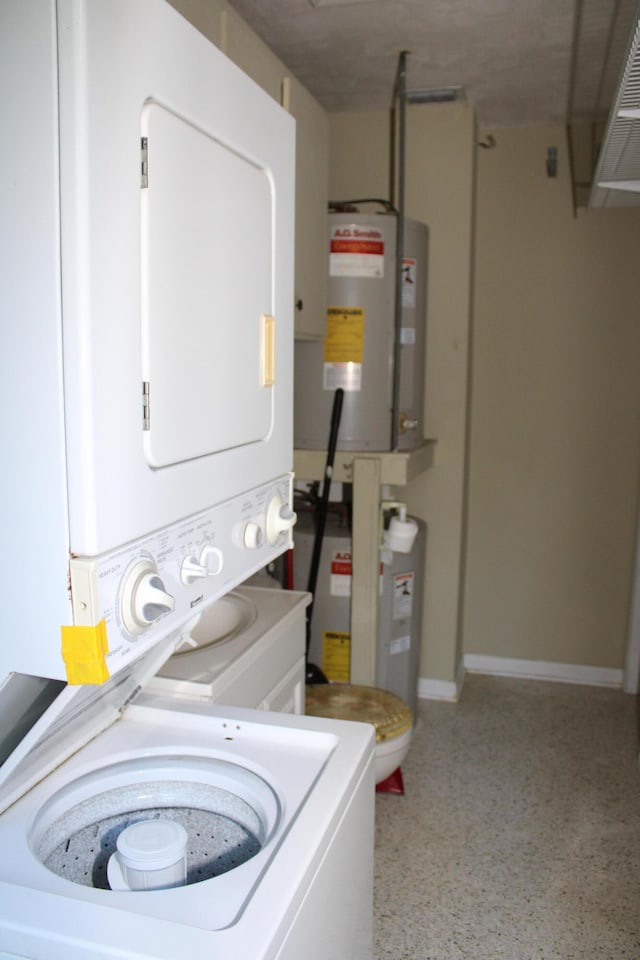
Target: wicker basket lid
344,701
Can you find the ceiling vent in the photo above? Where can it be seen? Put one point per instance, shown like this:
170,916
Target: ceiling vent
617,178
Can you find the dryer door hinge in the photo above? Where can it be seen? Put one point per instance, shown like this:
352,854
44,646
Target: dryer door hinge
146,411
144,162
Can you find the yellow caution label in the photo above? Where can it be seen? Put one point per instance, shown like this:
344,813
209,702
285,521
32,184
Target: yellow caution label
336,655
344,340
84,651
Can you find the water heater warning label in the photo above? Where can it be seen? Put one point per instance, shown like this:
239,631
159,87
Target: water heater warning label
409,268
343,349
336,655
403,590
356,250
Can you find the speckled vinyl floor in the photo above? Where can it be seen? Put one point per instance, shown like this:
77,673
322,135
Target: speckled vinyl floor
519,833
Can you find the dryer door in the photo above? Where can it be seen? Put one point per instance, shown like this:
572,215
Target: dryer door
177,272
207,238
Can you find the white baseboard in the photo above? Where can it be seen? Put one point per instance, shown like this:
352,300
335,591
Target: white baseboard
541,670
429,689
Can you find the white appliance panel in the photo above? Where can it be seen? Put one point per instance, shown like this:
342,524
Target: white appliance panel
128,71
247,650
162,570
207,239
319,774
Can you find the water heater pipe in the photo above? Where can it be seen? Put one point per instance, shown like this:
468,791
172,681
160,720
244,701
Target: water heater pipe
401,97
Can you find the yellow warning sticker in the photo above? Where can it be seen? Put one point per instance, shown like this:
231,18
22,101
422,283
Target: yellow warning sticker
344,341
336,655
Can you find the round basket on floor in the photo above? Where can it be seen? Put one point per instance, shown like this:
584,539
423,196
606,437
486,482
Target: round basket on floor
389,714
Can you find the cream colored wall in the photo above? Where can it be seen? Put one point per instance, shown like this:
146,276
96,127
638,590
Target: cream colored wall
221,24
555,414
205,15
439,191
553,467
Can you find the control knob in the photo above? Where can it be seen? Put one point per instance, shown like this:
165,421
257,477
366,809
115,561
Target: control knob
144,597
279,518
208,563
252,535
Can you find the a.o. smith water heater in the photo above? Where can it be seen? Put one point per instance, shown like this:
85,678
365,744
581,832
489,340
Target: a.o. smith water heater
369,344
399,611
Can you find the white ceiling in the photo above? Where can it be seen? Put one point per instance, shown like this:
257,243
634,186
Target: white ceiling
520,62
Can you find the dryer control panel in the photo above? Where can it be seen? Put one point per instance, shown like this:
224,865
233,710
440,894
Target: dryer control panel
157,585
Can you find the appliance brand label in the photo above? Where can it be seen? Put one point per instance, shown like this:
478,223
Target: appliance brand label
340,576
340,579
356,251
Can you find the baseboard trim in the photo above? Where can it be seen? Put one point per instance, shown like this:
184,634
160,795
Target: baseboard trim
542,670
430,689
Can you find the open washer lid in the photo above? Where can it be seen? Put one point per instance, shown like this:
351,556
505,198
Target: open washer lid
43,721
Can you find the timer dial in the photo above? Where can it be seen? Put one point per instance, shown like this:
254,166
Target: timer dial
144,597
279,518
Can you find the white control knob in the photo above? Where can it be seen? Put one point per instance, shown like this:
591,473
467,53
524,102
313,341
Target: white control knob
213,559
252,535
191,570
279,518
144,597
208,564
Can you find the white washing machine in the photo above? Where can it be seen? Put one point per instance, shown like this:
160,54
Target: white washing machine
279,858
277,809
247,650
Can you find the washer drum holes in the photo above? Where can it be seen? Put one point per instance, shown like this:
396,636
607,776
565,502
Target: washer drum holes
229,813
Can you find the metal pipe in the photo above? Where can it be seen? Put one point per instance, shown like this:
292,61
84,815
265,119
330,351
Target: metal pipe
401,95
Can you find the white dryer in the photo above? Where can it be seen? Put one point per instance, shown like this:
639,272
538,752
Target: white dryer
147,272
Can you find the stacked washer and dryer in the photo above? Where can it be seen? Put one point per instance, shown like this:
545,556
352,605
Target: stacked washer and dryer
148,453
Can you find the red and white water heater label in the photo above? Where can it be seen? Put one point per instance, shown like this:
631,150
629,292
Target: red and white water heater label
340,583
341,570
356,250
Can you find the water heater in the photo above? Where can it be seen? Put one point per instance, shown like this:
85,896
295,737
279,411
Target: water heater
399,608
364,342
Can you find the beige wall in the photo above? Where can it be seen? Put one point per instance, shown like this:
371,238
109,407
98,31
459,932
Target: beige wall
555,404
205,16
222,25
545,559
439,191
555,414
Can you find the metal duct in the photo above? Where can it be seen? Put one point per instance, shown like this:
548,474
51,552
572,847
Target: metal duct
617,178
